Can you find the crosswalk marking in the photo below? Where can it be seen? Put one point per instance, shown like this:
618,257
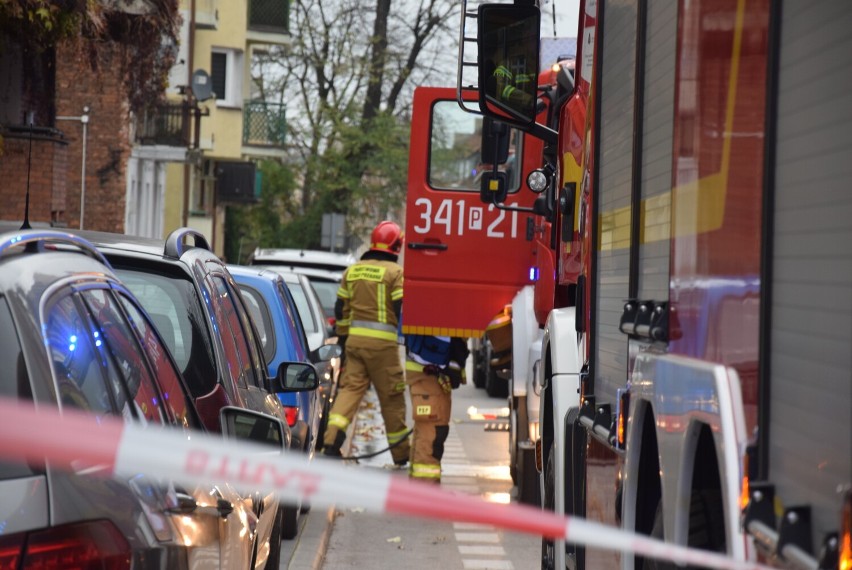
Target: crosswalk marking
488,564
472,526
479,550
478,544
487,537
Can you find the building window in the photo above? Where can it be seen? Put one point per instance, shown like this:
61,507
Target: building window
226,76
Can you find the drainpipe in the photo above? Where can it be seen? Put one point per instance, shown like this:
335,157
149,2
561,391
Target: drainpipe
84,120
190,64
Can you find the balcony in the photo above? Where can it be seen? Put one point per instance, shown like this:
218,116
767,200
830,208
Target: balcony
207,14
269,21
166,124
264,124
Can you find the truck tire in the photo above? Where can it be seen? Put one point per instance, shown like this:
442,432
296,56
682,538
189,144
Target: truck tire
529,492
513,443
495,386
548,503
480,365
656,532
706,526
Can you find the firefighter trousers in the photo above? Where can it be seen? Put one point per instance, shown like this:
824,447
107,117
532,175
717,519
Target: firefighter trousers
431,406
380,365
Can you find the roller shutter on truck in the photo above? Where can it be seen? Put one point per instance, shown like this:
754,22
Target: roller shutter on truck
656,157
806,411
617,86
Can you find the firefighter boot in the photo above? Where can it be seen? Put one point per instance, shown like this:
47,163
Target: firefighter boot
333,450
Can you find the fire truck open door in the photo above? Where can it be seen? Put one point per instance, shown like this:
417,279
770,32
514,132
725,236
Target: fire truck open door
464,260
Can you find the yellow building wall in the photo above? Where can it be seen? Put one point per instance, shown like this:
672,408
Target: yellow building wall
223,129
173,207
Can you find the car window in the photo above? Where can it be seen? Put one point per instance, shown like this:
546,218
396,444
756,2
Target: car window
259,311
173,396
302,305
232,334
75,360
327,293
14,380
293,322
178,313
125,355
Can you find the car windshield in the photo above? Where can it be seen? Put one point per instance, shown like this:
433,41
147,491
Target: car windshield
175,310
302,305
327,293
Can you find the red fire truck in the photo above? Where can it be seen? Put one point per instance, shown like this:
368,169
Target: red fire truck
695,366
471,264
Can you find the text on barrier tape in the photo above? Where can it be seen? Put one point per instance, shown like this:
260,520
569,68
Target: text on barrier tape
80,442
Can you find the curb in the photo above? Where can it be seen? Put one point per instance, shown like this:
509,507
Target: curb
314,536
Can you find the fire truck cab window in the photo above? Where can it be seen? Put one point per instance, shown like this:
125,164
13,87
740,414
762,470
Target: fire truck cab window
455,151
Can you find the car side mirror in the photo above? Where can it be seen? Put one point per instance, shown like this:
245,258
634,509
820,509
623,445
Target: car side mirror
295,377
247,425
326,352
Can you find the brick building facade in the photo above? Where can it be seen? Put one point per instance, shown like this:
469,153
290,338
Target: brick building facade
57,153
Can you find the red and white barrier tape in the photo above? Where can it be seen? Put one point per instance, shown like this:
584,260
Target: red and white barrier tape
110,447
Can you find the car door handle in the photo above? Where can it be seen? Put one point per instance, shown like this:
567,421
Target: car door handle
441,246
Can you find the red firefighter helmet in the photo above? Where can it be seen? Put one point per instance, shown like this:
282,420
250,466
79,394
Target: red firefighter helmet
387,236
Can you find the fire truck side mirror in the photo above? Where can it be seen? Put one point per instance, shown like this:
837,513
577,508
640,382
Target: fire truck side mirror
495,142
508,41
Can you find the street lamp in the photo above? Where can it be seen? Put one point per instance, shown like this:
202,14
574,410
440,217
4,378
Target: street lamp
84,120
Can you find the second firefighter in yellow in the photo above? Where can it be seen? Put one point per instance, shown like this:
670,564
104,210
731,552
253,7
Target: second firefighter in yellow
434,366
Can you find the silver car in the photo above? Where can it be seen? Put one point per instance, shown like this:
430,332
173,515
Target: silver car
72,336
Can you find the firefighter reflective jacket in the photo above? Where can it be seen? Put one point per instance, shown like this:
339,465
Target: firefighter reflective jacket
369,290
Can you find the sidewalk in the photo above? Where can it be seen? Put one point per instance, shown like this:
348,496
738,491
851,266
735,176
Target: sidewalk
366,435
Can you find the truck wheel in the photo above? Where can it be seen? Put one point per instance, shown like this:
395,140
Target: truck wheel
707,520
548,546
480,364
513,443
495,386
656,532
706,526
529,492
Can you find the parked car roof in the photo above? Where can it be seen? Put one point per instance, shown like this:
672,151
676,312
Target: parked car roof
317,259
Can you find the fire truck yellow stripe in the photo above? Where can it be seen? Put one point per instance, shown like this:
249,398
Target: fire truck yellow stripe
699,206
443,331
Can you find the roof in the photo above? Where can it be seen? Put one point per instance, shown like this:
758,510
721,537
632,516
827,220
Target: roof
330,261
310,272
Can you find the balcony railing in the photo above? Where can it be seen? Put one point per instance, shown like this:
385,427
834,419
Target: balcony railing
166,124
269,16
264,124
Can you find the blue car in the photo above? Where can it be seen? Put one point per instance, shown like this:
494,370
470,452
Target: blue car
282,336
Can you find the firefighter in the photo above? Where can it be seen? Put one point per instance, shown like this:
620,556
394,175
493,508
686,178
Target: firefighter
434,367
514,89
369,302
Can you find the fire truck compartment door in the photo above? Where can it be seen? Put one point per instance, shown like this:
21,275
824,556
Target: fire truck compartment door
464,260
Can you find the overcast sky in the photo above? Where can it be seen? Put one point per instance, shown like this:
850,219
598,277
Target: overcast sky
567,15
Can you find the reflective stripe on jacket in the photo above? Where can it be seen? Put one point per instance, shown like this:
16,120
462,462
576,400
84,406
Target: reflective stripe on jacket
369,289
